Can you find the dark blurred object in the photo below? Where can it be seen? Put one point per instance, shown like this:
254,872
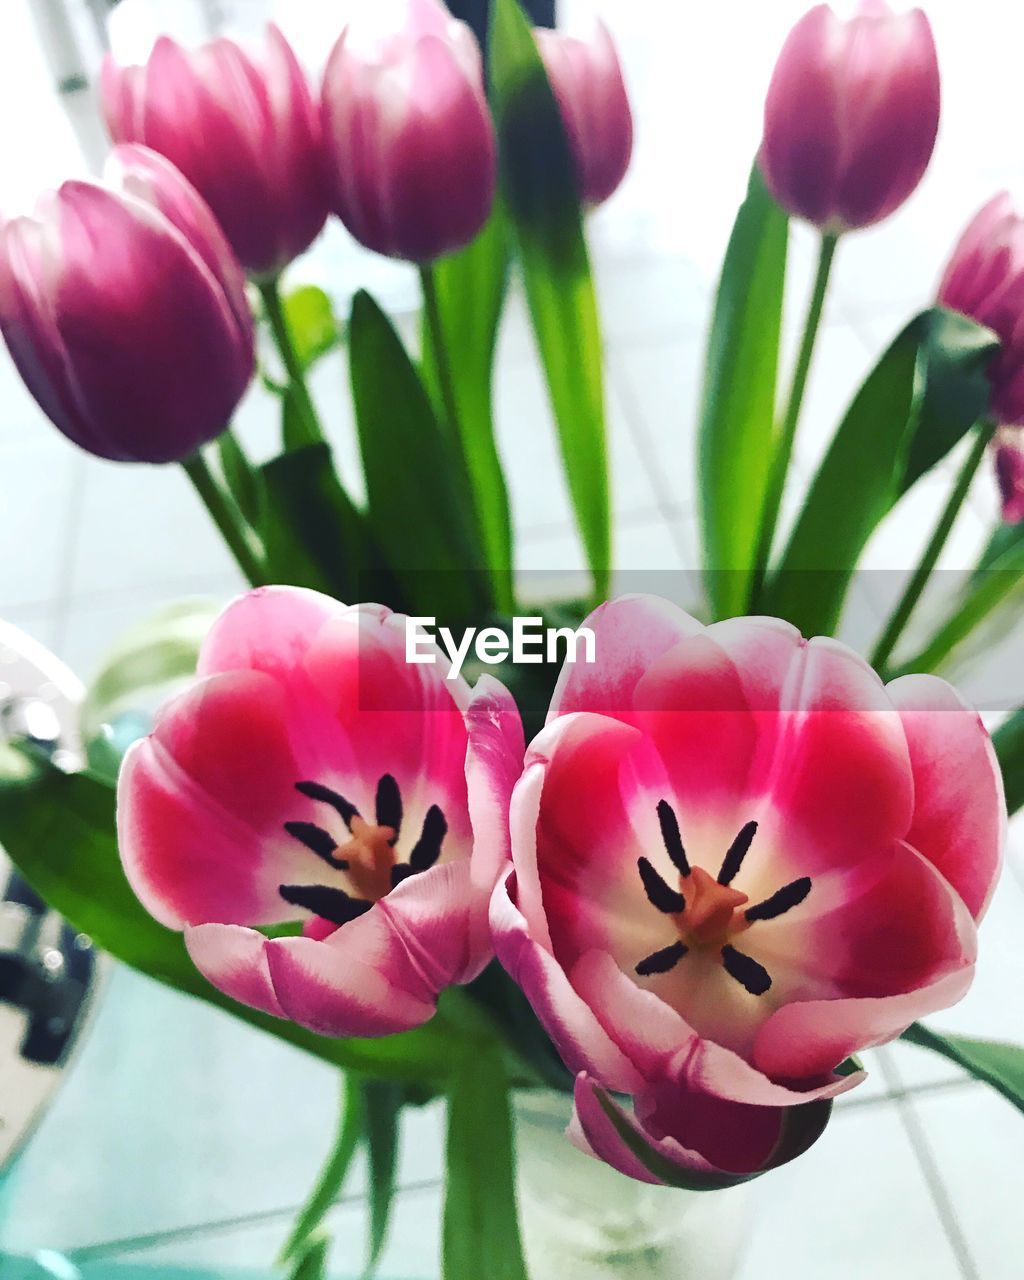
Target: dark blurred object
542,12
47,969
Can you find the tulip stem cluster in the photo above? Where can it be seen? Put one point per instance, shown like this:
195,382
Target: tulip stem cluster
298,391
236,533
922,574
787,432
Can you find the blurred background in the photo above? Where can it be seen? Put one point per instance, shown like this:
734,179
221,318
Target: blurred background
184,1138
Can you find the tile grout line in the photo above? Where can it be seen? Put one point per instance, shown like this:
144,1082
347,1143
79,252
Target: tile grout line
928,1165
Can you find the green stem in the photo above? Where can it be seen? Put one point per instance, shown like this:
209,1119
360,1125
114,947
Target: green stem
915,588
270,292
228,519
332,1176
787,435
442,362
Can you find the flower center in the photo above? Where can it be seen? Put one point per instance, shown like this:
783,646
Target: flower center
709,914
368,857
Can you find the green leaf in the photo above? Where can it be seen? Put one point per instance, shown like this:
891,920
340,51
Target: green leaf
1009,744
382,1114
312,1262
481,1226
332,1176
987,591
310,318
471,288
145,660
542,203
59,832
924,394
737,416
997,1064
313,534
419,514
240,476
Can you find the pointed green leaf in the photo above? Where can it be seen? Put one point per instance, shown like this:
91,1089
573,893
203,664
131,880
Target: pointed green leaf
419,513
737,416
925,393
240,476
471,288
541,200
999,1065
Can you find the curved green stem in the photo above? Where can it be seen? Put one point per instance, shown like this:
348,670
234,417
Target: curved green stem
442,361
332,1176
226,516
312,432
915,588
787,435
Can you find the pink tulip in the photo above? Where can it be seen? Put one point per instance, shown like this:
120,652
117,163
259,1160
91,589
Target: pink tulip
312,775
851,115
124,310
409,139
587,81
985,280
1010,473
737,858
244,131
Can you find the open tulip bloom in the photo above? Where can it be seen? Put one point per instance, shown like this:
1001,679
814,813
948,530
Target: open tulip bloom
733,857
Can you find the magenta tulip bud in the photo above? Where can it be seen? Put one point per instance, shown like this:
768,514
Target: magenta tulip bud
587,80
125,312
408,135
1010,474
852,115
244,131
985,280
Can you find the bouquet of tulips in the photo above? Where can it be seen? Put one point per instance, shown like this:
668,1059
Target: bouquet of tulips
683,865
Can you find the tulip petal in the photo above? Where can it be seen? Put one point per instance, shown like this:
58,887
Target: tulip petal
334,989
581,1041
234,959
959,806
630,633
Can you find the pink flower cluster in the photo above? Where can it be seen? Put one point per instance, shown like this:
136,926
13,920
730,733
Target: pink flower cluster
98,290
731,859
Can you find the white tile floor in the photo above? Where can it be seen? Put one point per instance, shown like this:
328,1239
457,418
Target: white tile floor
217,1130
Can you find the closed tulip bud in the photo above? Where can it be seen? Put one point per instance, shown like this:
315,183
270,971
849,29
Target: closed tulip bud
408,135
985,280
245,131
851,115
124,310
587,80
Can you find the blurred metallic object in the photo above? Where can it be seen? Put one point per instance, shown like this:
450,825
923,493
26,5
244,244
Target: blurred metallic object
47,970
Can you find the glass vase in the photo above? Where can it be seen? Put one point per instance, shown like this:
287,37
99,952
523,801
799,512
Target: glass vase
582,1220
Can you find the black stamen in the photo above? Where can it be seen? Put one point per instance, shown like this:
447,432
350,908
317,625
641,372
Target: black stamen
427,849
791,895
662,961
316,791
659,894
737,852
389,804
747,972
330,904
673,840
399,872
318,841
